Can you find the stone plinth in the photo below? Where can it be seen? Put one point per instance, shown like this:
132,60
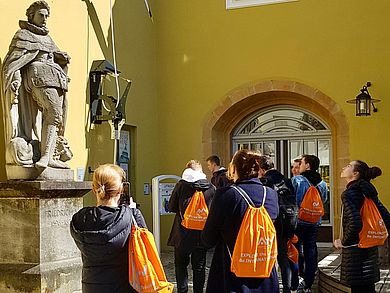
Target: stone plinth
31,173
37,253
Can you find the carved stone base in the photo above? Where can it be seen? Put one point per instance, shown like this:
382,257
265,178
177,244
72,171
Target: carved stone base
37,253
31,173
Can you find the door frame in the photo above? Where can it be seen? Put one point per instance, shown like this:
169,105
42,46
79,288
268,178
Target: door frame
241,102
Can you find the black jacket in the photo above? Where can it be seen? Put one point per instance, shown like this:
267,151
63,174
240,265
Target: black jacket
271,178
221,230
219,178
101,233
178,202
359,266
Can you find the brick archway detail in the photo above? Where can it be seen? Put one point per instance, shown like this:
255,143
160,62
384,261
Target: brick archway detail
242,101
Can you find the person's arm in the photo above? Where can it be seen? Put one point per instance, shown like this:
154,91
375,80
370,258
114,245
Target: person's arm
272,204
211,231
173,204
383,211
324,191
296,182
209,195
353,221
139,218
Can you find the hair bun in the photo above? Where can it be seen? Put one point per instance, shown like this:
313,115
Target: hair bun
374,172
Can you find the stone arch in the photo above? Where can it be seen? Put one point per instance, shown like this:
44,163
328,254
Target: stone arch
254,96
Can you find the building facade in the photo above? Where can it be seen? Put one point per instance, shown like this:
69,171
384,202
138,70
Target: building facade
210,80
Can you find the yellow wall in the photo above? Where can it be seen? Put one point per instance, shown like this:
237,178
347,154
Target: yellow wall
204,51
184,64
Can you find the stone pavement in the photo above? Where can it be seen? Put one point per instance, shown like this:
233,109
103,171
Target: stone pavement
167,259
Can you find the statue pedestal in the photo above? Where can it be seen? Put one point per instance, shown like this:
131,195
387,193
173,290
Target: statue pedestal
31,173
37,253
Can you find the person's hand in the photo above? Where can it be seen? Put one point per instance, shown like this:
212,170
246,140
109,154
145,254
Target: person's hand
337,243
132,204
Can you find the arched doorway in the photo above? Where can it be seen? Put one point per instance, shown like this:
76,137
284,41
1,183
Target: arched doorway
283,133
244,102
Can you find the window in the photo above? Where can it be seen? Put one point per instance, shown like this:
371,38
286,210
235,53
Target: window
283,133
232,4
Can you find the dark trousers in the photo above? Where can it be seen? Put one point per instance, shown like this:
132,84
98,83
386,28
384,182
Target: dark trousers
198,263
363,288
288,269
307,242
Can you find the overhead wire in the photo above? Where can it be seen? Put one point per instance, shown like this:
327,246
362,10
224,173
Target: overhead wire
114,54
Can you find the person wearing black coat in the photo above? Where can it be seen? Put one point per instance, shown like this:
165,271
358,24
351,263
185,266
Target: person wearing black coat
224,222
219,178
187,241
271,177
359,266
102,234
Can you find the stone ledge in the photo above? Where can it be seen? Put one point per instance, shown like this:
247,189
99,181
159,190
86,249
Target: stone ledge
44,189
58,266
32,173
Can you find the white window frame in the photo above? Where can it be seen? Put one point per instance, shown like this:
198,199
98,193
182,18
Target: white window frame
233,4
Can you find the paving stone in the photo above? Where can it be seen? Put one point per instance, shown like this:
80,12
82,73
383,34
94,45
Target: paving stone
167,258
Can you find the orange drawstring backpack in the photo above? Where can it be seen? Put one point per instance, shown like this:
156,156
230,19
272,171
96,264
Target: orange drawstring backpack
196,213
374,232
255,250
292,251
312,208
146,273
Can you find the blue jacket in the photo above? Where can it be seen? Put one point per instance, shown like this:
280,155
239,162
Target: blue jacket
302,182
221,230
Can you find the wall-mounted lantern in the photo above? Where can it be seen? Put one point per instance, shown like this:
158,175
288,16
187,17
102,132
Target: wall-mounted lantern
363,102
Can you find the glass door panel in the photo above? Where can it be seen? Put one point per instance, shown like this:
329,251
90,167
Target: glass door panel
309,147
258,147
269,149
324,170
296,149
243,146
323,151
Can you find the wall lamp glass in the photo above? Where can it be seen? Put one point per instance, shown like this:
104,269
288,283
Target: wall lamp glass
364,101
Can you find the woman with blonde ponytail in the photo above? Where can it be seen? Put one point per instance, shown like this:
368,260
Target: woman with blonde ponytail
102,234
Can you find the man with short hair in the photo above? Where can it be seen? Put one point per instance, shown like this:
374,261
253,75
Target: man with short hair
286,221
307,232
219,178
295,166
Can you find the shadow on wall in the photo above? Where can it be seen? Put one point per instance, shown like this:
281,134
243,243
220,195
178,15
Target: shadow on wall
135,58
101,148
3,175
97,137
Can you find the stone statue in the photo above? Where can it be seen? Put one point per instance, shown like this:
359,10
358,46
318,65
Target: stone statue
34,85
